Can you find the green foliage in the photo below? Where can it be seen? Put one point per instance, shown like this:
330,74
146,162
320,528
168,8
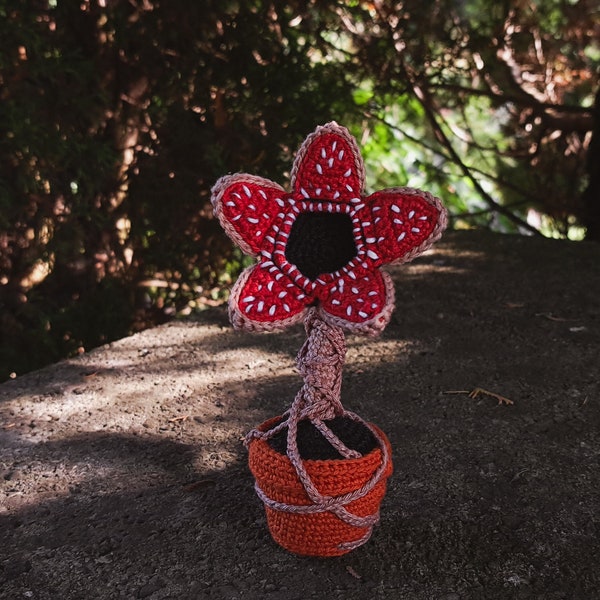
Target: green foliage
117,118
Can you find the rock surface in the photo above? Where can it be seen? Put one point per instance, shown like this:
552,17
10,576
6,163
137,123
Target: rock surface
123,475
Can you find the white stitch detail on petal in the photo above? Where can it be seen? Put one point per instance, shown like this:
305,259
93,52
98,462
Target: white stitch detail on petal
237,218
398,222
230,203
401,236
286,307
376,208
355,290
330,163
415,230
304,193
341,154
349,188
282,294
248,308
335,301
323,153
251,207
363,314
336,195
319,169
252,220
270,286
280,202
411,214
272,310
262,193
348,173
372,254
369,240
349,310
395,208
249,299
247,191
334,145
372,293
258,233
260,306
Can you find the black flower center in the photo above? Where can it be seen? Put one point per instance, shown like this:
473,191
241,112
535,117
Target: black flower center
320,243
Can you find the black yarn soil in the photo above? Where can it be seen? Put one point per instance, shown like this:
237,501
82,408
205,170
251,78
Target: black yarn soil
320,243
313,446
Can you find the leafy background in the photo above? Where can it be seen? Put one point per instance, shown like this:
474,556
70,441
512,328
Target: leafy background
117,116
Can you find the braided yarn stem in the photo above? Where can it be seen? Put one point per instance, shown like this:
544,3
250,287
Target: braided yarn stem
320,362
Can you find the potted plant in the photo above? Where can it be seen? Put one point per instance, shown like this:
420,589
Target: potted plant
321,470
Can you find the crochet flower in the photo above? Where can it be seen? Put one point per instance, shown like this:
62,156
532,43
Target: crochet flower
322,243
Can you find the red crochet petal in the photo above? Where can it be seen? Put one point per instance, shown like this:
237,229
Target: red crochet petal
399,224
264,299
328,166
246,206
361,302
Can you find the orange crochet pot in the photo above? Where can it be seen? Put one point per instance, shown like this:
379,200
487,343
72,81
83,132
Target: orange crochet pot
320,533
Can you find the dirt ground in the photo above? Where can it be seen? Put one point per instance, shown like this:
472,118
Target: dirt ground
123,475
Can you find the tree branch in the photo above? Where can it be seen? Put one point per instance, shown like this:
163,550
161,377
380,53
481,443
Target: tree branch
447,144
489,176
524,100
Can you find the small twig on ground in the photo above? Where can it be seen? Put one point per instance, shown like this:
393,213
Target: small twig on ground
353,572
551,317
182,418
474,393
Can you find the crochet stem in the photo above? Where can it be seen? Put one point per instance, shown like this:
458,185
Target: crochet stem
320,362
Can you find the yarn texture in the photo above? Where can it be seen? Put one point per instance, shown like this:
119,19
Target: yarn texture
320,470
323,243
319,507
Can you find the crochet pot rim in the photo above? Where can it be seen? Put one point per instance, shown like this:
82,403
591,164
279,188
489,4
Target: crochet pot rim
312,462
